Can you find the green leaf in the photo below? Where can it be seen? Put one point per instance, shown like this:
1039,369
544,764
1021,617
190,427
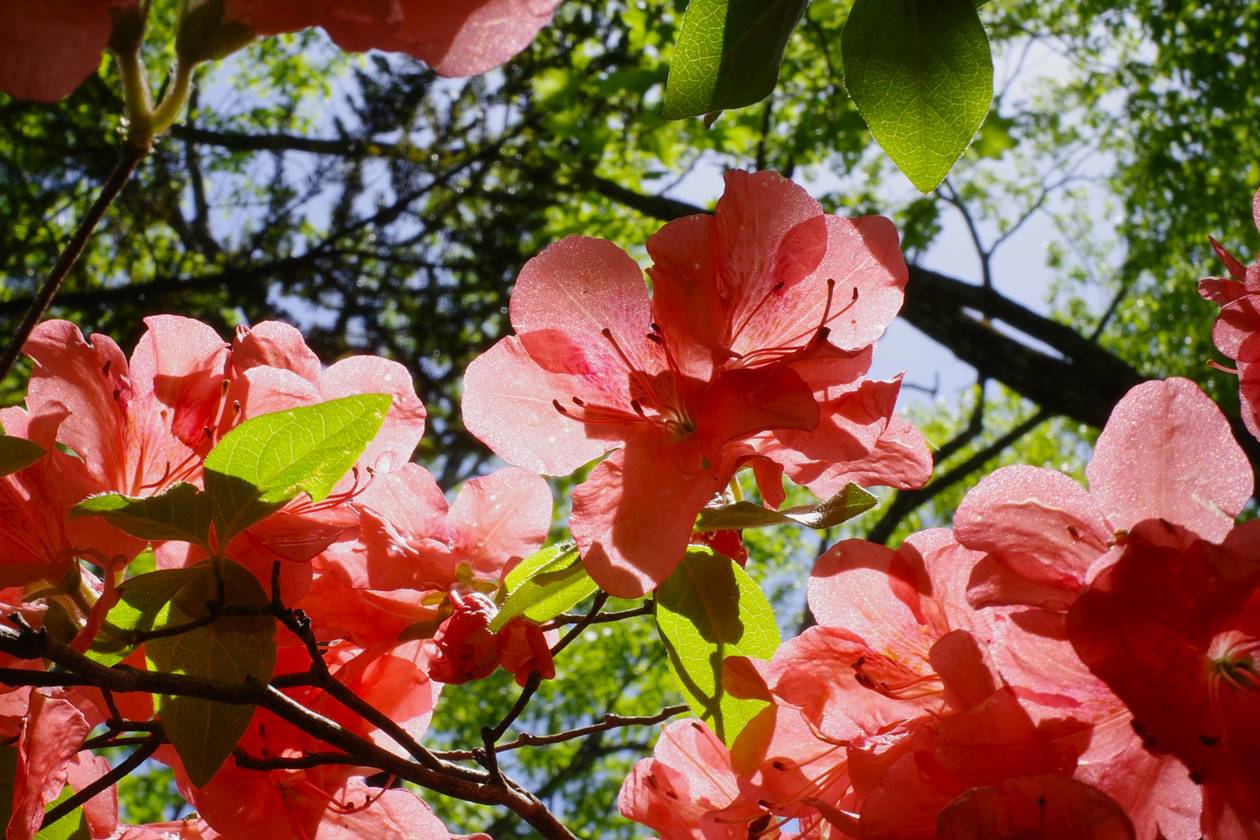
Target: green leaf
921,75
544,585
728,54
843,506
707,610
180,513
140,600
266,461
233,648
17,453
73,826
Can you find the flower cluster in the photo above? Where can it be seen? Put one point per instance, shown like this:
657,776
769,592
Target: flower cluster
1063,663
383,568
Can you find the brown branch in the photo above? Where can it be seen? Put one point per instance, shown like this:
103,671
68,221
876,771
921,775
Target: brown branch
607,722
129,158
35,644
109,779
602,618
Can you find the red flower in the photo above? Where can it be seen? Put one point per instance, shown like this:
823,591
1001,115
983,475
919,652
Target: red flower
48,48
1173,627
455,37
466,647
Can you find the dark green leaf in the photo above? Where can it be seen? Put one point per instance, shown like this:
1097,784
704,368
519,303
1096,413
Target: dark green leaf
728,54
234,649
544,585
921,75
17,454
843,506
180,513
707,610
140,600
266,461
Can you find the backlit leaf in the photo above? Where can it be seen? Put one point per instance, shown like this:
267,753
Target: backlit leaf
17,453
180,513
707,610
234,649
267,460
728,54
843,506
544,585
921,74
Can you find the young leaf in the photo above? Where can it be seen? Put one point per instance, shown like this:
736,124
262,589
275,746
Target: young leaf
728,54
544,585
232,648
921,75
140,600
179,513
17,453
266,461
843,506
707,610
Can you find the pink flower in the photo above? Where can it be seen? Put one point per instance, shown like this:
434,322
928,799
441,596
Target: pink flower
455,37
719,369
1166,451
48,48
1236,330
467,649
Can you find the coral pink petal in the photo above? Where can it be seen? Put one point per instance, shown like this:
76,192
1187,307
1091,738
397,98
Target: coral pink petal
1038,522
864,260
570,294
769,232
395,443
853,587
499,519
49,47
1034,806
685,294
1167,452
632,518
815,673
54,732
508,405
92,381
1235,331
179,362
454,37
274,344
404,534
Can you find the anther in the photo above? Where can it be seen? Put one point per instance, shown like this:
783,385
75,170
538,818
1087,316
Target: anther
560,408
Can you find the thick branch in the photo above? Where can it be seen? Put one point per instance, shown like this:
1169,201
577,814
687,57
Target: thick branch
31,644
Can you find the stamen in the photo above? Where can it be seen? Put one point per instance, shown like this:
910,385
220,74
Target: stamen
777,287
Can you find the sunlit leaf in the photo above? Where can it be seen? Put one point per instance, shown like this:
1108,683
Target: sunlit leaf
707,610
266,461
180,513
544,585
728,54
921,74
843,506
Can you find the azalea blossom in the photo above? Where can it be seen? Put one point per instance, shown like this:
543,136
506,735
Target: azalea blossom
48,48
1173,627
1238,326
454,37
1167,451
728,363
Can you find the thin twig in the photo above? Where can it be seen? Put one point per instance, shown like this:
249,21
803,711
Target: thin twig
116,773
129,157
607,722
603,618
